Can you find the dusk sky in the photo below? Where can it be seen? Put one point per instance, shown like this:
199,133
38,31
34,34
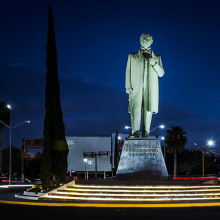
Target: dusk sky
93,39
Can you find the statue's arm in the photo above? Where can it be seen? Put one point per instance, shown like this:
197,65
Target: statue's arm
128,76
158,67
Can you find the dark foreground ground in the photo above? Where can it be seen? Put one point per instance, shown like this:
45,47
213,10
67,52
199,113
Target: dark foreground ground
57,213
11,212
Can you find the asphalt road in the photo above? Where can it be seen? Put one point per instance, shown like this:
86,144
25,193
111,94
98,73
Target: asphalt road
10,212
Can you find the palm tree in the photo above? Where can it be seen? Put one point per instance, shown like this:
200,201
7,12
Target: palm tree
175,141
5,118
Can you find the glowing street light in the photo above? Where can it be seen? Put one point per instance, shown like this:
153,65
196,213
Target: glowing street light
10,127
163,138
210,143
160,126
85,161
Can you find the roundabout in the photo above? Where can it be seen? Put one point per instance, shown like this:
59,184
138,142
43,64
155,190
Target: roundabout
113,193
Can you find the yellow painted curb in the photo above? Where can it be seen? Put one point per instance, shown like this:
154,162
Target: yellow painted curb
114,205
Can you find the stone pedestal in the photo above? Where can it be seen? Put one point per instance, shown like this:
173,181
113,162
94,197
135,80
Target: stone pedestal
142,159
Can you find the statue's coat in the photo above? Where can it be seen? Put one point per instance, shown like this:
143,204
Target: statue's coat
136,70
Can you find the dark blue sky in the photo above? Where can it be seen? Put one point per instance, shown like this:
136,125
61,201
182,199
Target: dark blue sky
93,41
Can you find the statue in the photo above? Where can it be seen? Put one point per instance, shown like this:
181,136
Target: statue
141,83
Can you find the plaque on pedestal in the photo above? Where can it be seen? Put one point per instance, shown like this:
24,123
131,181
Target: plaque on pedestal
142,159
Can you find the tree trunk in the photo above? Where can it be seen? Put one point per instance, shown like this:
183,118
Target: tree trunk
0,152
175,163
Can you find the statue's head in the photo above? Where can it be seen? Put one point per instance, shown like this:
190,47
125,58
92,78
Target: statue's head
146,40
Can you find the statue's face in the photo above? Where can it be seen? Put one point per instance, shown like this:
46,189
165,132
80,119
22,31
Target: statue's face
146,40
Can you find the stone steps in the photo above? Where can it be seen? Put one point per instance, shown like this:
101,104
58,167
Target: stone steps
135,193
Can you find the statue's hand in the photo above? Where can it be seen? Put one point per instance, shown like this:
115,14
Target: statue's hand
152,61
129,90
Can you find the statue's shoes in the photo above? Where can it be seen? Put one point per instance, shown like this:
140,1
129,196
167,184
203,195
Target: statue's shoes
145,135
132,137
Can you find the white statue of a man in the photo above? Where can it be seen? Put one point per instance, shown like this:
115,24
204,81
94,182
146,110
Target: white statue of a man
141,83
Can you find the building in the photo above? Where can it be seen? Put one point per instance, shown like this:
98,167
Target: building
90,155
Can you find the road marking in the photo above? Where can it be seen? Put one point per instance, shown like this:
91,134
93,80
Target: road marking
113,205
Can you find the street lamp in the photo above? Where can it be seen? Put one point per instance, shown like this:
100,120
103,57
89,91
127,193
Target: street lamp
203,148
160,126
163,138
85,160
210,143
10,127
127,127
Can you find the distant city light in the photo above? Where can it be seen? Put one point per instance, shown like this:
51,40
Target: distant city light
119,138
162,138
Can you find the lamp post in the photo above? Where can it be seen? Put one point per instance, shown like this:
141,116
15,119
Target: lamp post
10,148
10,127
85,160
203,149
162,138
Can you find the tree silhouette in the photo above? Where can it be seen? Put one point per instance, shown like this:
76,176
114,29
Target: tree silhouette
175,141
55,151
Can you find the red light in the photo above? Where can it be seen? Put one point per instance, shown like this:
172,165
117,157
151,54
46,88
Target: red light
195,178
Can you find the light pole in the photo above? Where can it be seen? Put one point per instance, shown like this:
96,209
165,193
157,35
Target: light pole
85,161
203,148
162,138
10,148
10,127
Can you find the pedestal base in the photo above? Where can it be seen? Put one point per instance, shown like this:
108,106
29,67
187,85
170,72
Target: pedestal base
142,160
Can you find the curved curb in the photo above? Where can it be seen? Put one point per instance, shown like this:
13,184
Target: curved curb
26,197
113,205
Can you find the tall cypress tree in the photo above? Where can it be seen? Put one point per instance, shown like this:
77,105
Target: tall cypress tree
54,158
